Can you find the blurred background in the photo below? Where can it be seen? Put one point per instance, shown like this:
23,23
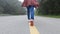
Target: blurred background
11,7
49,8
46,8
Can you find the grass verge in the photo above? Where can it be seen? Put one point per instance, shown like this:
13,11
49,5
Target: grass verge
52,16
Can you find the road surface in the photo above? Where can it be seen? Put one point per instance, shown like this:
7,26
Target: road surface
19,25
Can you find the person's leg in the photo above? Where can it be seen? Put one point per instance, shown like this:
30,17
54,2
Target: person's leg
32,12
31,15
28,12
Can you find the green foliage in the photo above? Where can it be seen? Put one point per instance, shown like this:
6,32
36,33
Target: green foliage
11,7
50,7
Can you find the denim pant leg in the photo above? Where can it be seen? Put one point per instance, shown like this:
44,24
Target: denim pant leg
28,13
32,12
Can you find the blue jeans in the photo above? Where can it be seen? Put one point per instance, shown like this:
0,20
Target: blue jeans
30,12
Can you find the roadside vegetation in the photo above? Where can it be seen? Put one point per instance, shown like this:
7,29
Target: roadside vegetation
49,8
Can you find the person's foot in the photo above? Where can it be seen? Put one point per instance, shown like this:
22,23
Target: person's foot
31,23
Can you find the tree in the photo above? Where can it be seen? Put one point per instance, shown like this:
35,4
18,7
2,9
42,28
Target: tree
51,7
11,7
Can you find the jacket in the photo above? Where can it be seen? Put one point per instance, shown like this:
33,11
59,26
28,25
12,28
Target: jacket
30,2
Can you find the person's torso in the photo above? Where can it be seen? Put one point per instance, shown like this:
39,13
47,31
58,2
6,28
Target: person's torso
30,1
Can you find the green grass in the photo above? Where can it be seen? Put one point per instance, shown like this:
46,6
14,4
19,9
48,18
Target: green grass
52,16
4,14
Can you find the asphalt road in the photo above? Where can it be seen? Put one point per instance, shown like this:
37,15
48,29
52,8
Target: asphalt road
19,25
47,25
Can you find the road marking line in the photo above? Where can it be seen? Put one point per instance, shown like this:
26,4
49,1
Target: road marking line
33,30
